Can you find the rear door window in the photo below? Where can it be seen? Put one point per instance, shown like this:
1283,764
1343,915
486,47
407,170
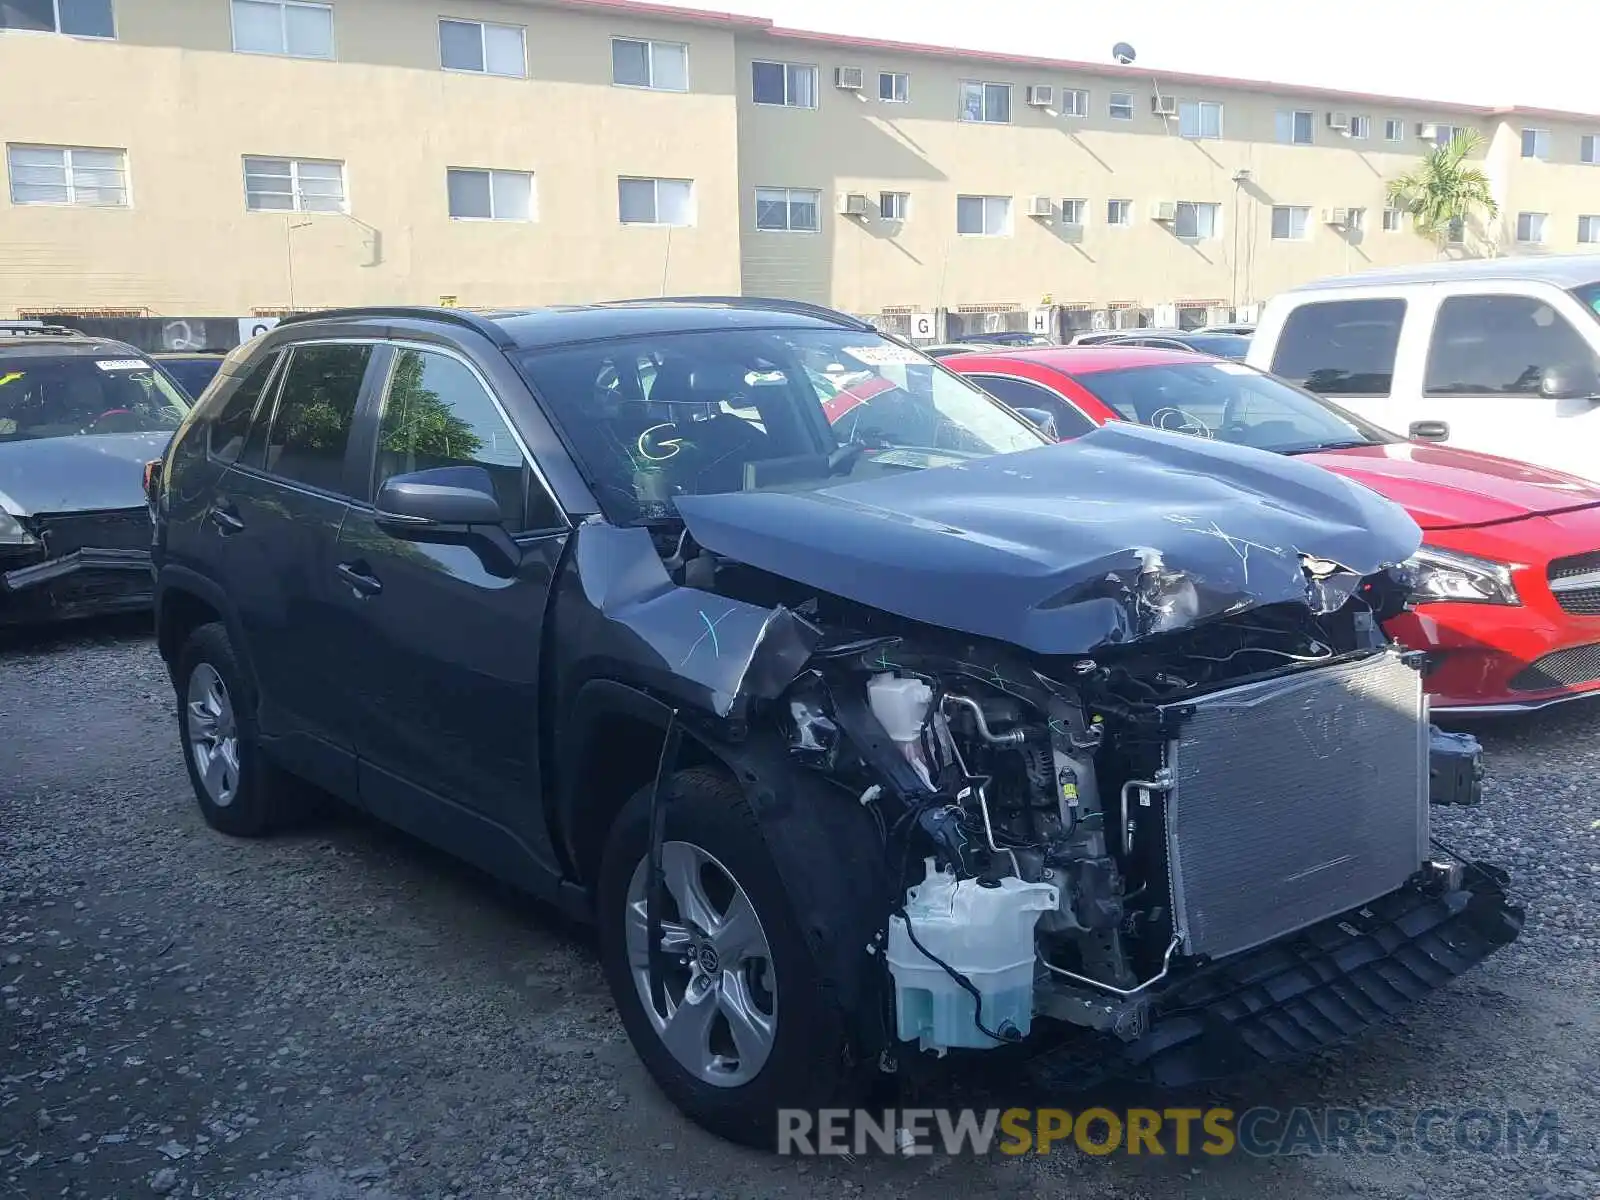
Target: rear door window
1341,347
316,408
1499,345
232,424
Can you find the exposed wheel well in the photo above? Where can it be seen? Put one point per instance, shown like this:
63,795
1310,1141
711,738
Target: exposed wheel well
181,614
621,757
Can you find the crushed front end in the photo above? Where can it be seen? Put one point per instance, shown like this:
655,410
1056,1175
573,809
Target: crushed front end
66,565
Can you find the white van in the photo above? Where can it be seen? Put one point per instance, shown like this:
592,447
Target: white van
1499,355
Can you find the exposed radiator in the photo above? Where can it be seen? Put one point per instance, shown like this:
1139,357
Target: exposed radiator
1294,799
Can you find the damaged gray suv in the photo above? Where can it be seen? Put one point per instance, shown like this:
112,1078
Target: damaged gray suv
867,723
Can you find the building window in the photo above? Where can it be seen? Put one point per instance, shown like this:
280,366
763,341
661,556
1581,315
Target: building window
1295,127
987,102
483,49
489,195
894,86
1119,213
656,201
1290,224
283,27
79,18
68,175
1394,130
1589,148
1443,135
983,216
894,206
788,85
1455,232
1120,106
788,210
1530,227
1394,220
293,185
1535,143
1074,212
1361,127
1074,102
1196,221
1200,119
1589,230
660,66
1356,221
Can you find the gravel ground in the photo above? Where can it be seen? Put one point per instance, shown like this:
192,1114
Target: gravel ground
344,1013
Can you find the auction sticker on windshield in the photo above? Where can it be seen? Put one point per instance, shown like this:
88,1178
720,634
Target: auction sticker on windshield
885,355
121,364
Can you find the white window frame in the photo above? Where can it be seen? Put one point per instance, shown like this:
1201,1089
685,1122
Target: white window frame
1541,144
1008,226
1592,140
1082,208
1537,225
1360,126
650,64
901,206
656,181
1290,211
1120,101
902,77
985,84
1394,220
1126,209
294,184
1447,133
1455,232
491,172
1292,126
68,180
1589,223
1394,129
788,208
1075,102
55,12
283,7
483,46
1200,108
1195,206
787,67
1357,222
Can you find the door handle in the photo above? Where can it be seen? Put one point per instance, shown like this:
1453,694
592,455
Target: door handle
1430,431
364,583
225,518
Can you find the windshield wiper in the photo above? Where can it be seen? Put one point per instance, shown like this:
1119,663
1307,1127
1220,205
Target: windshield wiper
1353,444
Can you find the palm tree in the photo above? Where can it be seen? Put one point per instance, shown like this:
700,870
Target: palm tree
1444,188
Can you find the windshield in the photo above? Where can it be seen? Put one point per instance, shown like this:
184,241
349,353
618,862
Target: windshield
1230,402
79,396
683,414
1223,345
193,374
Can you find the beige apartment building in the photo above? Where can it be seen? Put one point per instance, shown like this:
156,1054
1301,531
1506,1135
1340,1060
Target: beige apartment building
238,157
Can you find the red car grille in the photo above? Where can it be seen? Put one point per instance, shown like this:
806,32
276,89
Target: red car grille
1575,583
1560,668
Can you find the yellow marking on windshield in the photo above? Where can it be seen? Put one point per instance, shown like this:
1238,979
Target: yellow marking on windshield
11,378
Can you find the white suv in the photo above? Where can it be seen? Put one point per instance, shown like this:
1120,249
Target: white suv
1498,355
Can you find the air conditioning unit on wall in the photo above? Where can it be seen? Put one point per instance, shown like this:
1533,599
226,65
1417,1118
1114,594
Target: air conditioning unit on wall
1166,210
1164,106
850,79
1336,216
1041,95
1041,206
853,204
1339,121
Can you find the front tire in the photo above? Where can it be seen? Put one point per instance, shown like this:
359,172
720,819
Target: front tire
239,792
745,1026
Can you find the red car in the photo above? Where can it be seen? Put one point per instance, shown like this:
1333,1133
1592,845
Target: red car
1508,603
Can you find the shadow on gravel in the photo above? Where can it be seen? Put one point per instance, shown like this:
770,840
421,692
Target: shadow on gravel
61,635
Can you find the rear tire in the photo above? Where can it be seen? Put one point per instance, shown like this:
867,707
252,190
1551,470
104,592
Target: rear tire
770,1038
239,791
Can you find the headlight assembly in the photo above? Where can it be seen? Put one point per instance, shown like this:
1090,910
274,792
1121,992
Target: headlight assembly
1460,578
11,531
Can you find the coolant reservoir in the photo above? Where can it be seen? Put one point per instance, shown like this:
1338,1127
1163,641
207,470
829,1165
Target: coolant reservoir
983,932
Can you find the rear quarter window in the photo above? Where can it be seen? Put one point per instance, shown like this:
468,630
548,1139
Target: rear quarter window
1341,347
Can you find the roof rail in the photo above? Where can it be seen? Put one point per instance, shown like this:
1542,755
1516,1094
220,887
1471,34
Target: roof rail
798,307
463,317
28,328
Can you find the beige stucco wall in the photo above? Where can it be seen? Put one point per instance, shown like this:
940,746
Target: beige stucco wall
186,115
187,109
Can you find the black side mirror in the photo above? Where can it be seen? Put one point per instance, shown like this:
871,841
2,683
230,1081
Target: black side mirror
1570,381
1041,419
450,505
1429,431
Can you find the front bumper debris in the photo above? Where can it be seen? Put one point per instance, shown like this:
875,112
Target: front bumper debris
1302,993
1455,768
86,582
